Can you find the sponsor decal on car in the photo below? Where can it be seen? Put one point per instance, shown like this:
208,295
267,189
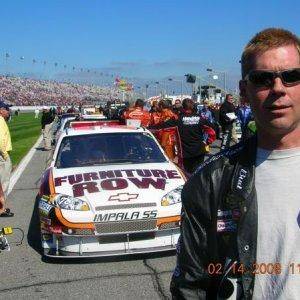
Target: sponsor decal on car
125,216
45,220
123,197
47,237
44,208
111,180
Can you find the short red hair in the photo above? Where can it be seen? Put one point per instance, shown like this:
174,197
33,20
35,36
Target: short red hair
267,39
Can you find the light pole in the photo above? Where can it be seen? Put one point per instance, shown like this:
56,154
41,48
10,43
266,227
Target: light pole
190,78
224,77
7,56
22,65
146,90
44,70
156,85
181,86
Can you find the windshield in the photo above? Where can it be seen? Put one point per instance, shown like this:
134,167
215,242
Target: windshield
108,148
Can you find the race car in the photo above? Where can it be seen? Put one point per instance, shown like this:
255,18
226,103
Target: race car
65,121
109,190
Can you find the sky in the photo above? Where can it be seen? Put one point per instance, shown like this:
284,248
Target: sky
135,38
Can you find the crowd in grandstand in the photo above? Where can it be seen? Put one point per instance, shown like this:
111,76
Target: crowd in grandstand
23,91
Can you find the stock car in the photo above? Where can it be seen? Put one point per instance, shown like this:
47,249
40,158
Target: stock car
109,190
65,120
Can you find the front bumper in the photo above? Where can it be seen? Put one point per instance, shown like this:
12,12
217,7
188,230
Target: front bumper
74,246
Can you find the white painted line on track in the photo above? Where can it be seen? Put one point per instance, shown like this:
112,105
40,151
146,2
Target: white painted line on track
22,165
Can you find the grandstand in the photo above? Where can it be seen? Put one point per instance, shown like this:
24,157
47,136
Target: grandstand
30,92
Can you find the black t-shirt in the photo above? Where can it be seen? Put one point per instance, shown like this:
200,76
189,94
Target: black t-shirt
190,127
47,118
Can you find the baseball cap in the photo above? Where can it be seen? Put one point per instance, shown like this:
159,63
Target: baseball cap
4,105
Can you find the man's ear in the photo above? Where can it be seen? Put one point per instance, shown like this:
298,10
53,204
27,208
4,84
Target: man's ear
242,86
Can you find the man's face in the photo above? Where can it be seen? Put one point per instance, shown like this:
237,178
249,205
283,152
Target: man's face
229,99
4,113
277,108
177,104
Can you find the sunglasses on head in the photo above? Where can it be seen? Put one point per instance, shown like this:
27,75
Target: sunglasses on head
266,78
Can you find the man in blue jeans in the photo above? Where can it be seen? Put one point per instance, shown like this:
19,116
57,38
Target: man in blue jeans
244,115
226,120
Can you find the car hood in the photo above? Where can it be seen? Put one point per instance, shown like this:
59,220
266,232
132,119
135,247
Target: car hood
118,184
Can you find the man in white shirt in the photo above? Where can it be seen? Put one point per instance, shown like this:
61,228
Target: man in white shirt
271,83
241,208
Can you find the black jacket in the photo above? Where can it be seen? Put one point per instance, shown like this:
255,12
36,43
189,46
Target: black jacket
219,224
190,127
225,108
47,118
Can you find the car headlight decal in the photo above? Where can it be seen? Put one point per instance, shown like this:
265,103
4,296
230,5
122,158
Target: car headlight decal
173,197
70,203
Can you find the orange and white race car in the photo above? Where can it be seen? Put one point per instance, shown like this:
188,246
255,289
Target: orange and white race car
109,190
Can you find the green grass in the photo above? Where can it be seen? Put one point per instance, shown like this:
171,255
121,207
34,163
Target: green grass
24,131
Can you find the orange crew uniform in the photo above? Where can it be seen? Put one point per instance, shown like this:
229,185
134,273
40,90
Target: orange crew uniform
166,114
155,118
137,113
167,139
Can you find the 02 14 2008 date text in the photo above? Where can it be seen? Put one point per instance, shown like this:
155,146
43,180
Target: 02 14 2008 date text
256,269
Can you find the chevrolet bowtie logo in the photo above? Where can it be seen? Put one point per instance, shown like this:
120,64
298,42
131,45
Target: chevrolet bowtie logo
123,197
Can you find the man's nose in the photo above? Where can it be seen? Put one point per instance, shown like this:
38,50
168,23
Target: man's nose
278,86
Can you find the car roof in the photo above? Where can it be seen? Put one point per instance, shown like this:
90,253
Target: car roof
85,130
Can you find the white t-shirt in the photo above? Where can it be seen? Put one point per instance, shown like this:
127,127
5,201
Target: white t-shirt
277,181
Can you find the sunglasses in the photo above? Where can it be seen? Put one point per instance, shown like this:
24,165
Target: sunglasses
266,78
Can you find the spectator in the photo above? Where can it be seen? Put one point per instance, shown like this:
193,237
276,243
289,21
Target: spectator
5,162
227,117
205,112
24,92
177,108
46,122
36,113
244,115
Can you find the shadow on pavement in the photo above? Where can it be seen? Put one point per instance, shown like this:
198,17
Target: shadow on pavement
33,235
86,260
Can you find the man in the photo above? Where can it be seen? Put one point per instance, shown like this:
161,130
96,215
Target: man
46,121
166,112
36,113
205,112
138,113
226,119
244,115
5,162
241,209
177,108
154,113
